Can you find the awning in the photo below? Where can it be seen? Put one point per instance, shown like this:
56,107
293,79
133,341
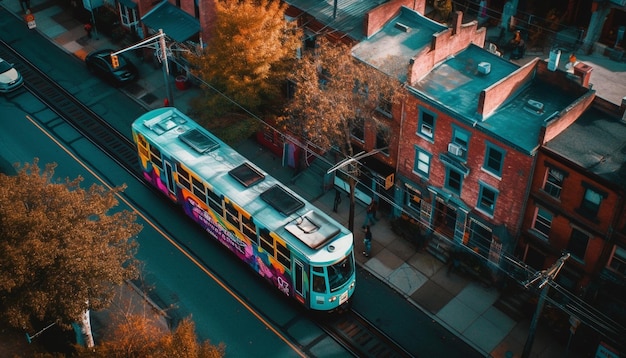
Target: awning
128,3
176,24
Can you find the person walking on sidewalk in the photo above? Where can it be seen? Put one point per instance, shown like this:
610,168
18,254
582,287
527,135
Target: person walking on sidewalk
370,214
337,200
367,241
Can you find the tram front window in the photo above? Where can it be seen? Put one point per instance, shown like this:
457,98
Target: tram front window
340,273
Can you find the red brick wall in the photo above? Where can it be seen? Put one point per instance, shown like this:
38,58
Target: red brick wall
492,97
515,175
376,18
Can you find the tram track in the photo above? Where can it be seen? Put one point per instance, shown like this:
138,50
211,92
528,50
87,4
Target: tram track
88,123
362,338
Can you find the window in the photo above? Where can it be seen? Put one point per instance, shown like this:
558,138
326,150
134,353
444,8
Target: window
248,228
426,125
461,138
183,177
543,221
199,189
384,105
487,198
454,180
618,261
215,202
267,242
232,215
577,245
421,165
155,156
358,129
591,202
554,182
412,199
480,237
494,158
283,255
382,139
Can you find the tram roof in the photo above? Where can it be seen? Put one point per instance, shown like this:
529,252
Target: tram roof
269,203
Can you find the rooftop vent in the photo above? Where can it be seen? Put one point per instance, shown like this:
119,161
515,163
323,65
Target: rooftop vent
484,68
533,106
402,27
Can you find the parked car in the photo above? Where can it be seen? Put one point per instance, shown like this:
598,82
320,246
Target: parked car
99,63
10,79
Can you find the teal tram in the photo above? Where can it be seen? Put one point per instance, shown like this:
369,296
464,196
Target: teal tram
299,249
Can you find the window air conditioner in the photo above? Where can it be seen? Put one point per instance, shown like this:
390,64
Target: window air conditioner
455,149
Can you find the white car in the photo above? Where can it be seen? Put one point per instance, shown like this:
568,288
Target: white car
10,79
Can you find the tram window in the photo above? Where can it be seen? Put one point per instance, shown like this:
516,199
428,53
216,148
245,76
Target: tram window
215,202
198,189
267,242
248,228
283,255
318,269
183,177
232,215
156,156
319,284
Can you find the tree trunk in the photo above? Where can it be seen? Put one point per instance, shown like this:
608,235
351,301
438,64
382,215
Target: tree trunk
85,329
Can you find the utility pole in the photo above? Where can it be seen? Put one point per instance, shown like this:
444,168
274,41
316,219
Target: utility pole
161,49
545,276
352,172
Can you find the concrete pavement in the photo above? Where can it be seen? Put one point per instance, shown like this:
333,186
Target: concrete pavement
460,303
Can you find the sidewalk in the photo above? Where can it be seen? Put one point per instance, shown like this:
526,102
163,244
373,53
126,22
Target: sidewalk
461,304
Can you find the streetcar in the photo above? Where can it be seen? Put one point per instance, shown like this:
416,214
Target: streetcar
299,249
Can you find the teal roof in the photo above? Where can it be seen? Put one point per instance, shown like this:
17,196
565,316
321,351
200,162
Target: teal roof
393,46
175,23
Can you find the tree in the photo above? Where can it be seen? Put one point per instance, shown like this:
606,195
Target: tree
335,96
138,336
246,59
63,248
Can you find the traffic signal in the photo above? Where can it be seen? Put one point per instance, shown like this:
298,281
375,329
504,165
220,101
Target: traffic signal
115,61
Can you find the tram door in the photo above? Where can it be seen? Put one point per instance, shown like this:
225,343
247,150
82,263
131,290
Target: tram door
298,281
170,179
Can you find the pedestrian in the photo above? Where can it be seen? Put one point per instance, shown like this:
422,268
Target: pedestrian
88,29
337,199
367,241
370,213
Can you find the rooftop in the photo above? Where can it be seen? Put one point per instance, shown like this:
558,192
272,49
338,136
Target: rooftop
457,83
597,142
349,13
393,46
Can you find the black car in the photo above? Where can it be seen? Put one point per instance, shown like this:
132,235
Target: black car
99,63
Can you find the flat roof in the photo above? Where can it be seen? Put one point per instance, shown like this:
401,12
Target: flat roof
392,47
456,85
597,142
349,17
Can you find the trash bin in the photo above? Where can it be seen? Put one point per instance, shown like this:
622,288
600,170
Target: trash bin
181,83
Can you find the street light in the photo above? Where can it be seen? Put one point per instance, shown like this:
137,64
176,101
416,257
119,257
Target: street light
353,162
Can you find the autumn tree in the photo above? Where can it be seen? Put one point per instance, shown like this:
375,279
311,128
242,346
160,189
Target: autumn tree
137,335
64,248
245,61
335,95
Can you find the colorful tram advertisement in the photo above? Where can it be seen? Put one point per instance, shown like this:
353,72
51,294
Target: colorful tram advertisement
299,249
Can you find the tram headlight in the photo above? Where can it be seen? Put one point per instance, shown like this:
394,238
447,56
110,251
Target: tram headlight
332,299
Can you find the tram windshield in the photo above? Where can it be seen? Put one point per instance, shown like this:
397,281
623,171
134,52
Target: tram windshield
340,273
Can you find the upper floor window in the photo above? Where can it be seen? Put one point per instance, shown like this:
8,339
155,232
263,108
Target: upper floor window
554,182
382,139
487,198
577,245
454,180
384,105
460,139
543,221
358,129
494,159
591,202
618,261
426,124
421,166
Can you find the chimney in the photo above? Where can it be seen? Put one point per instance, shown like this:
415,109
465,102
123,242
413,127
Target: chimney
584,72
457,21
